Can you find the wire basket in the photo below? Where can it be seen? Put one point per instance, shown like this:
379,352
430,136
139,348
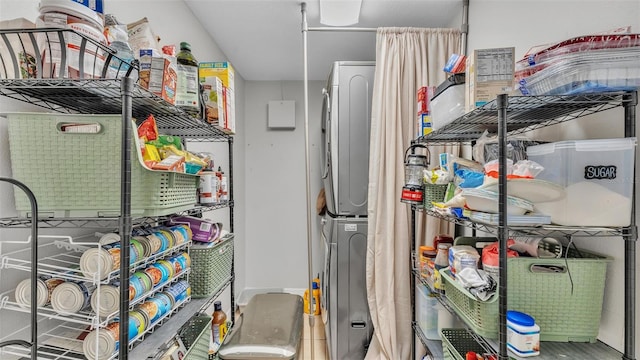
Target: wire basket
457,342
195,335
434,193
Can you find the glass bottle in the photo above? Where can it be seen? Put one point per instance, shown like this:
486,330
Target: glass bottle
188,86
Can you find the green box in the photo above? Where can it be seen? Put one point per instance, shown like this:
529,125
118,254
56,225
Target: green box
210,266
566,304
78,174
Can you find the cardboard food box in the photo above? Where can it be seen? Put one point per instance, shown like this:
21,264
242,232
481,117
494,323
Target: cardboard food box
222,70
158,75
213,100
229,111
489,73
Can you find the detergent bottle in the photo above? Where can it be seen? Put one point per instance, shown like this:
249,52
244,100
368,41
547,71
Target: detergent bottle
315,298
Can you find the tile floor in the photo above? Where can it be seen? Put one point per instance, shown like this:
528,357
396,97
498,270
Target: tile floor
319,343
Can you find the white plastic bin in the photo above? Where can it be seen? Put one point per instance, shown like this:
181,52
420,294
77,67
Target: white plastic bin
427,312
597,176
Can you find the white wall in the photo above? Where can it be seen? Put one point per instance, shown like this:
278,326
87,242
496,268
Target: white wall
276,253
524,24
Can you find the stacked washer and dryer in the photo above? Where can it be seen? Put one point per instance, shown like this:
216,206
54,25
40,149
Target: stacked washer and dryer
346,125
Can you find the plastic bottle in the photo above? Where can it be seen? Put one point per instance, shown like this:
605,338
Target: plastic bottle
188,86
218,324
441,261
315,298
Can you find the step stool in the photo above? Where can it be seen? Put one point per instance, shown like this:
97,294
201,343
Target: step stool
270,327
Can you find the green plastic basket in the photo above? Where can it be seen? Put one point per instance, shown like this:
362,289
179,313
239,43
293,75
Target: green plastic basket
567,304
457,342
210,266
434,193
78,174
196,336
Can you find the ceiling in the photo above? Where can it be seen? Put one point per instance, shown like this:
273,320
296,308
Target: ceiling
263,38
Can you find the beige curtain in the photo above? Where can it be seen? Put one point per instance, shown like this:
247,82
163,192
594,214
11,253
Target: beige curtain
406,59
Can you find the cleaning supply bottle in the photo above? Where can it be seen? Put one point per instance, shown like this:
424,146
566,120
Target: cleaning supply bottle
315,298
188,85
218,324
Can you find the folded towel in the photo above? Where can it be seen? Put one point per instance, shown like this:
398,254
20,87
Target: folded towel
478,282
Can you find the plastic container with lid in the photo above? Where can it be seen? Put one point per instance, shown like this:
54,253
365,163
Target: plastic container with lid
597,176
523,334
71,15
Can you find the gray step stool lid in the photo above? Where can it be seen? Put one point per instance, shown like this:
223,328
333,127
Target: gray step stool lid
270,327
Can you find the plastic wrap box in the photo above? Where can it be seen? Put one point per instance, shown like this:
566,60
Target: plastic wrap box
78,174
564,296
210,266
489,73
597,176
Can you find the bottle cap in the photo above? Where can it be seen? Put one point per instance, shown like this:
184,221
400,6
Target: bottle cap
217,305
185,46
315,285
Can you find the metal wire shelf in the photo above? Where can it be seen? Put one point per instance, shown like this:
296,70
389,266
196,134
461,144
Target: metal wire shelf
525,113
434,347
544,230
106,222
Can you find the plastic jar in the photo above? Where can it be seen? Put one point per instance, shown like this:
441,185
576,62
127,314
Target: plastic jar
441,262
523,334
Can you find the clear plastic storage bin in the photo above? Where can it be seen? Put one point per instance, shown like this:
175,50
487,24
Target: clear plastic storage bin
597,176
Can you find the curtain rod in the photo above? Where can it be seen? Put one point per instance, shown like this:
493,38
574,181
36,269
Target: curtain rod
357,29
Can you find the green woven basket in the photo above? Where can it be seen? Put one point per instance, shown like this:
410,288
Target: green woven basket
457,342
196,336
434,193
210,266
78,174
567,305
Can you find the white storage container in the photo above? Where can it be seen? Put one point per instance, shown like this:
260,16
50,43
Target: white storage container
447,105
597,176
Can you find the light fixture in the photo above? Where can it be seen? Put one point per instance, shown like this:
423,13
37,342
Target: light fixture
340,12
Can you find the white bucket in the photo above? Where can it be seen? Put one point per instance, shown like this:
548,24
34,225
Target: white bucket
67,14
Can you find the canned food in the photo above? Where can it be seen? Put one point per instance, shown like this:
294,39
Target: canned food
180,291
155,242
102,343
147,283
152,308
165,303
167,264
170,237
71,297
100,261
45,287
155,274
136,287
137,248
106,301
164,241
164,271
140,321
144,243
